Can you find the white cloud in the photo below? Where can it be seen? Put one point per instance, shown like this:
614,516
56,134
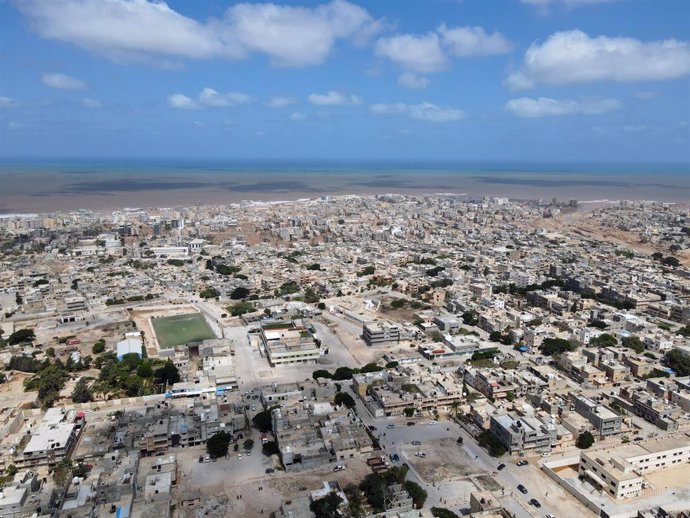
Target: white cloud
91,103
412,80
547,107
575,57
8,102
208,97
334,98
473,41
181,101
421,53
297,116
645,95
424,112
63,82
280,101
144,30
15,125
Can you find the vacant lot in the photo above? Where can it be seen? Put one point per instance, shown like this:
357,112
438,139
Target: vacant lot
445,460
181,329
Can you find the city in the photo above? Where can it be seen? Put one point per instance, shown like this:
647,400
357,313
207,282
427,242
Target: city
379,356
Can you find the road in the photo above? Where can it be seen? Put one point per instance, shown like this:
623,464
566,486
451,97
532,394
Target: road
393,439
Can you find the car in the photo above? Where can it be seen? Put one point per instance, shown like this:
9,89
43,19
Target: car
549,515
432,423
239,455
394,457
546,454
638,439
460,440
372,428
270,470
411,423
416,443
207,458
535,503
501,466
420,454
522,489
248,453
522,463
339,467
390,426
201,459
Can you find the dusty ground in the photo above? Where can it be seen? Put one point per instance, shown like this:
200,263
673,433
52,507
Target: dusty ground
444,461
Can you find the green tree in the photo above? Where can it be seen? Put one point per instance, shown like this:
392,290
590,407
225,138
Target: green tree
603,340
634,343
239,293
241,308
270,448
417,493
442,512
209,293
321,373
167,374
584,440
326,507
62,473
371,367
343,398
555,346
217,444
492,444
248,444
81,392
409,411
342,373
21,336
263,421
678,361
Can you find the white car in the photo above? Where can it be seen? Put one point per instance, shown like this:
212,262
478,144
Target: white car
339,467
420,454
432,423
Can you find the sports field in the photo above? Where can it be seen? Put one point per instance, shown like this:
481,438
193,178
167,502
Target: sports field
181,329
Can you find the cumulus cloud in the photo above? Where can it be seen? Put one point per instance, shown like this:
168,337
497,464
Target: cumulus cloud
63,82
575,57
91,103
280,101
473,41
208,97
334,98
8,102
547,107
424,112
412,80
418,53
144,30
182,102
427,53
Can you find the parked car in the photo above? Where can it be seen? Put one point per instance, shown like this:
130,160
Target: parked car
501,466
416,443
201,459
390,426
339,467
535,503
411,423
270,470
522,489
549,515
546,454
207,458
460,440
394,457
432,423
420,454
522,463
372,428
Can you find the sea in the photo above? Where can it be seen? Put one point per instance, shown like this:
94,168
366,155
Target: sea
40,186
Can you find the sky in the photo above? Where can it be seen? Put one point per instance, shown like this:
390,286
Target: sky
494,80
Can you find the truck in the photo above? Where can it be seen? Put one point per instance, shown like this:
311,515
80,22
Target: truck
264,437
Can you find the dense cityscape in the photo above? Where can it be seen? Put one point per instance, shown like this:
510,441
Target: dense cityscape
356,356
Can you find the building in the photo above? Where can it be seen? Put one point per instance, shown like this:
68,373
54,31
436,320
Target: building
381,333
604,420
287,342
518,434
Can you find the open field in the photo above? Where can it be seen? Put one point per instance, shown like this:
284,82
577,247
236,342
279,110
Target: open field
181,329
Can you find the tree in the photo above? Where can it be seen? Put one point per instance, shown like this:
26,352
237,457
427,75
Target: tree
98,347
492,443
343,398
342,373
670,261
217,444
584,440
321,373
603,340
371,367
248,444
50,352
392,365
678,361
326,507
81,392
263,421
398,303
470,318
270,448
634,343
20,336
167,374
321,306
417,493
442,512
62,473
241,308
209,293
555,346
409,411
239,293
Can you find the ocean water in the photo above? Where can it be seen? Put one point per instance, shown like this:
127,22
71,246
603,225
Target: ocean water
50,185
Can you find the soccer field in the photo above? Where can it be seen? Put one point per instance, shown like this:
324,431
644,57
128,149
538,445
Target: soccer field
181,329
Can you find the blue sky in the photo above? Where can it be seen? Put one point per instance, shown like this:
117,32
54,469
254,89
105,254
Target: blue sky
538,80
